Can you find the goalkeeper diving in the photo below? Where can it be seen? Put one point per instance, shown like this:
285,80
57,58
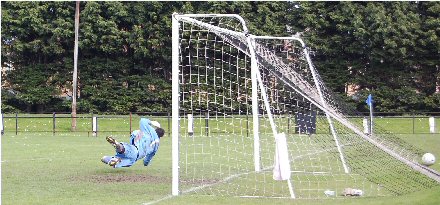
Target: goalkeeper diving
144,144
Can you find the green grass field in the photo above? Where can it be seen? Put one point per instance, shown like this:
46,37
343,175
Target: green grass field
40,168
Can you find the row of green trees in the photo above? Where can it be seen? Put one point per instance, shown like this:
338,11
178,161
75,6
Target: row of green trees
389,49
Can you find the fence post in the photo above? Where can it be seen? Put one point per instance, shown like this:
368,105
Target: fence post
2,124
207,124
54,121
130,124
431,125
413,122
366,126
169,122
247,124
288,124
16,123
94,126
191,124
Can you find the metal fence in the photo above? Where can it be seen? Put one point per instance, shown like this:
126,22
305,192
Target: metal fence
62,122
399,123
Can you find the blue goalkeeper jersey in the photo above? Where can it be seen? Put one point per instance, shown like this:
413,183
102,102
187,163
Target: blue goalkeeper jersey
145,140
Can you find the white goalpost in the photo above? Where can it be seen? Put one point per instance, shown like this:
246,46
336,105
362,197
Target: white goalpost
251,117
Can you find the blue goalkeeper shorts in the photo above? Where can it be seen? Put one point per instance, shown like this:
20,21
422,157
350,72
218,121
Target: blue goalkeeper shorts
129,157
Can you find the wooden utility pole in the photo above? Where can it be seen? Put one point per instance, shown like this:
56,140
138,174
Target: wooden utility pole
75,67
1,84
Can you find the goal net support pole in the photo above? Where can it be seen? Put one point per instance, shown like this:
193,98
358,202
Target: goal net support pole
254,70
330,122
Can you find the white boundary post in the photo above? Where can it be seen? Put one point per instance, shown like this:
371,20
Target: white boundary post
190,125
431,125
1,123
94,126
366,126
175,105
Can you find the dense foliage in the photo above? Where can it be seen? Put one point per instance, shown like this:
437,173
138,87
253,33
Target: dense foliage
390,49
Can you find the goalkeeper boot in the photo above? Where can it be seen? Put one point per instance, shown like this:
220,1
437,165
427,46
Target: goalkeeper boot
118,146
112,141
112,161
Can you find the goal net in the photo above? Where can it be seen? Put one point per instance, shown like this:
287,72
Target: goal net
234,93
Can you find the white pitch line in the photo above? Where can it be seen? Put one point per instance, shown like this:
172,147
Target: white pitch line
45,158
19,160
159,200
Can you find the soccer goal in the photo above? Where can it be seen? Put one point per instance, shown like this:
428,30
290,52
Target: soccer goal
251,117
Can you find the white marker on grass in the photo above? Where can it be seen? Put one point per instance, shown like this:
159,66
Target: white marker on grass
365,123
94,126
1,124
431,125
190,125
